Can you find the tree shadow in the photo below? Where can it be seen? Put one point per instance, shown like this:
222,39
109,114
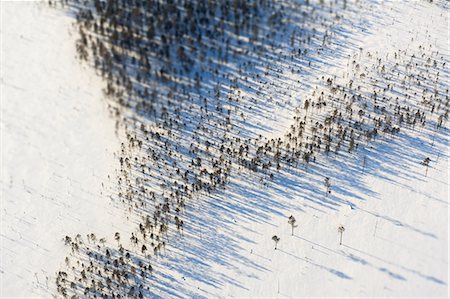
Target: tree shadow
195,103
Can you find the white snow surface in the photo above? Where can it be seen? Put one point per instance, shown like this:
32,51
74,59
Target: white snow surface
58,147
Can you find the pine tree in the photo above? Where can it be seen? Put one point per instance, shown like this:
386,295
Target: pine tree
292,221
117,237
426,162
276,240
341,230
327,184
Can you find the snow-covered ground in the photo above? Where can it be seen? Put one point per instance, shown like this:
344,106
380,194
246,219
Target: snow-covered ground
58,147
396,218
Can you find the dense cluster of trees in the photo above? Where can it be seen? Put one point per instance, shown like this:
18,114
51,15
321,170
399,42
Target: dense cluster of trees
185,79
95,270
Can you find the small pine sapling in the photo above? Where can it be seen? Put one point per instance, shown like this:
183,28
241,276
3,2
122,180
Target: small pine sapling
292,221
276,240
341,230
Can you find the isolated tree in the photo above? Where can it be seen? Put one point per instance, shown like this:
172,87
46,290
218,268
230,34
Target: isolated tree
327,184
117,237
292,221
341,230
426,162
276,240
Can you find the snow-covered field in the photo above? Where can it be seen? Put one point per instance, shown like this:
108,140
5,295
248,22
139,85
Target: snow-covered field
57,148
58,165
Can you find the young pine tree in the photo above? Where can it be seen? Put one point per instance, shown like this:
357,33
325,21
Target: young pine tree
292,221
341,230
276,240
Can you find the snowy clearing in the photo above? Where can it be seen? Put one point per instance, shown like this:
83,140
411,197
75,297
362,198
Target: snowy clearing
58,147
